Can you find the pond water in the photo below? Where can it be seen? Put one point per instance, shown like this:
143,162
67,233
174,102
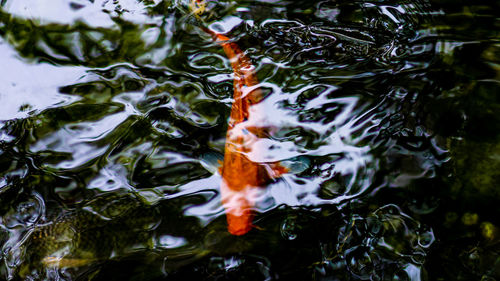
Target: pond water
113,129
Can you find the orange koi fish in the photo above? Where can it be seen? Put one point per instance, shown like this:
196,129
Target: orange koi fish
241,177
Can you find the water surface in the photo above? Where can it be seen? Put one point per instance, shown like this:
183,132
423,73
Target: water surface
114,114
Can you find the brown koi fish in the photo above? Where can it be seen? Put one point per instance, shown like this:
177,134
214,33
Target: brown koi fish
241,177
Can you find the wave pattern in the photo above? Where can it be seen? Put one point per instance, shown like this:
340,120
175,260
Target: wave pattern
114,115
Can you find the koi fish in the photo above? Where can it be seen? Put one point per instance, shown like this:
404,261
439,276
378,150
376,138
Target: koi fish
241,177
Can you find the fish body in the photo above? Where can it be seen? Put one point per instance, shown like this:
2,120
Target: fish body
111,227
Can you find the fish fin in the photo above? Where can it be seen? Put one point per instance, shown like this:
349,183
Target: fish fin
212,161
258,227
197,7
278,170
295,165
65,262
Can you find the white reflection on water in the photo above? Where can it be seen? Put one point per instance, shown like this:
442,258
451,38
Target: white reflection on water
414,272
97,13
30,88
170,242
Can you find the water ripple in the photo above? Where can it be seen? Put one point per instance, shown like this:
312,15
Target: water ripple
114,118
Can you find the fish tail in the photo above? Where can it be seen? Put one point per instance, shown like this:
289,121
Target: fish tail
239,213
240,224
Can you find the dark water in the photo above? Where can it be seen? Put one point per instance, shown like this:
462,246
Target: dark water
114,114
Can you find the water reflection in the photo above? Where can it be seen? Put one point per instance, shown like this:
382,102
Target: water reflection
114,115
